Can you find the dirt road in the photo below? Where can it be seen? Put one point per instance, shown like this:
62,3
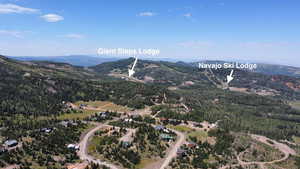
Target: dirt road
172,154
128,136
11,167
166,161
82,153
286,150
280,146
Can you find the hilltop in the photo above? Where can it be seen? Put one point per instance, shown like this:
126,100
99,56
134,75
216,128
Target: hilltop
77,60
180,74
45,85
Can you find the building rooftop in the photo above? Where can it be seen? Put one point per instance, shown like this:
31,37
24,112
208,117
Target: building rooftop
159,127
166,136
11,142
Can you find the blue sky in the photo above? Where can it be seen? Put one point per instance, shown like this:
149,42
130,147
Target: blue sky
255,30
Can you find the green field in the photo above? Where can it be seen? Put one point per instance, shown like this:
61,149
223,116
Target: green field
296,140
92,108
92,145
295,105
200,135
104,105
144,162
81,116
180,128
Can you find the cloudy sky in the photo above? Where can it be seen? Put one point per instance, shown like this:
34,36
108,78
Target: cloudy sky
252,30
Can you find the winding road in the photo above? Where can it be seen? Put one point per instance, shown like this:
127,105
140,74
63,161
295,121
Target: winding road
286,150
82,153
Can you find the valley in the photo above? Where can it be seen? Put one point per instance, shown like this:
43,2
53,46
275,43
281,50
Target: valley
168,115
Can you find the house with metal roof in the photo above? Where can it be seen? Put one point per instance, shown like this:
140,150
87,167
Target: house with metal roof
159,127
166,137
11,143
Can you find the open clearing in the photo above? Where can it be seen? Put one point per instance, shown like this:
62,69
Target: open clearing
81,116
296,140
146,162
295,105
91,108
102,106
180,128
200,135
290,163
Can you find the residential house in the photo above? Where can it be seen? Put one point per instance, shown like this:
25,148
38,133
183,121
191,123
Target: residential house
11,143
181,153
159,127
103,114
126,144
2,149
174,122
73,147
64,123
166,130
46,130
82,106
191,144
68,123
128,120
163,120
166,137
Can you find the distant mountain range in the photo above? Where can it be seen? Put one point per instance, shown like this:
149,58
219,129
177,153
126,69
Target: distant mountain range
278,69
268,69
87,61
77,60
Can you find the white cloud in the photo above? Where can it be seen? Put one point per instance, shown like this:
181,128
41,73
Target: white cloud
196,44
12,8
52,18
16,34
146,14
74,36
187,15
265,44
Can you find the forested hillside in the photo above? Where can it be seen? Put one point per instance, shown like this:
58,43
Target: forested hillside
182,74
36,97
38,89
41,88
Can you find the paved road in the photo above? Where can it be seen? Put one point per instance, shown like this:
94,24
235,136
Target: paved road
172,154
82,153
